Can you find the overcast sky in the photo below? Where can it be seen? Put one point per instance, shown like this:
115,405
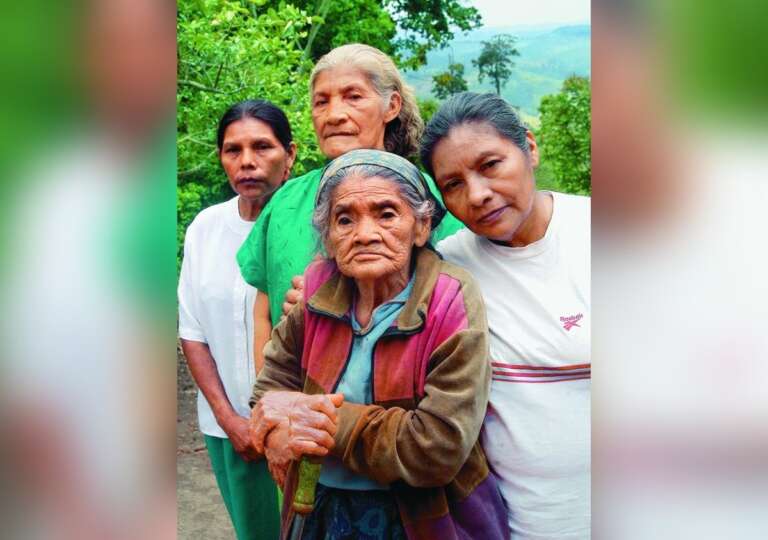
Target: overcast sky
517,12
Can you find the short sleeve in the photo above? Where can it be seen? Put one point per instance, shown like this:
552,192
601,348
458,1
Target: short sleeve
252,255
449,224
189,321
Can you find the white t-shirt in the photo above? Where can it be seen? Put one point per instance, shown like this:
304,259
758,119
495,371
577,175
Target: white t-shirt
536,433
216,305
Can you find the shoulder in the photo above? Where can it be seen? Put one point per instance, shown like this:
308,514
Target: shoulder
452,280
296,192
209,218
455,302
296,187
456,272
574,212
573,203
316,274
458,247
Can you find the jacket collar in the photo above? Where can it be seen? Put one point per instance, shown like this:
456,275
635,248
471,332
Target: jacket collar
334,297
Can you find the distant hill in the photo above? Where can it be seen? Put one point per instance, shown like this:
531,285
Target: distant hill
548,55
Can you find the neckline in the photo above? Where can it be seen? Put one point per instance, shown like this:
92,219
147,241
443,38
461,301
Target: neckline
234,220
534,248
400,298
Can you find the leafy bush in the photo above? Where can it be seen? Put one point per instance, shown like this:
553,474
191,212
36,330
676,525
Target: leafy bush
565,135
228,53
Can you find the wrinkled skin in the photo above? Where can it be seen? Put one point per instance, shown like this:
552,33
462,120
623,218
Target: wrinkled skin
286,425
347,113
371,236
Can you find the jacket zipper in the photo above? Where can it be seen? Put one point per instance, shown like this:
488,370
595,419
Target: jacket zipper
346,365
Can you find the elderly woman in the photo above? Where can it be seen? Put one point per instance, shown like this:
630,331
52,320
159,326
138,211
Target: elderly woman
529,251
402,335
359,100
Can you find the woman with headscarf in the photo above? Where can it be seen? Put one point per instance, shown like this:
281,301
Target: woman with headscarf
402,335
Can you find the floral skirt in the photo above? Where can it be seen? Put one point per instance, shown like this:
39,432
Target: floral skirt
342,514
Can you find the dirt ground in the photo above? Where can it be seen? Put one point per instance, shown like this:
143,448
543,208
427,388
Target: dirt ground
201,511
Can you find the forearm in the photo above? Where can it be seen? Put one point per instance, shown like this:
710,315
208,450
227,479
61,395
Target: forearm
282,353
202,366
262,328
388,445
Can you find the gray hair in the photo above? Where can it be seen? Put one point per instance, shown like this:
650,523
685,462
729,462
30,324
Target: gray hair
401,135
467,108
321,218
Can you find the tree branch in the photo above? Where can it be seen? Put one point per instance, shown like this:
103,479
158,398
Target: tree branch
195,84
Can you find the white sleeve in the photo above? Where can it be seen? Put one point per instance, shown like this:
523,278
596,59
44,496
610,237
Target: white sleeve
450,247
189,322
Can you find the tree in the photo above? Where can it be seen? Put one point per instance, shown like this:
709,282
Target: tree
449,82
428,24
404,29
565,134
227,54
495,60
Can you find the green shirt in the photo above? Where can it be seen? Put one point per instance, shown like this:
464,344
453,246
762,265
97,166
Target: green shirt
283,242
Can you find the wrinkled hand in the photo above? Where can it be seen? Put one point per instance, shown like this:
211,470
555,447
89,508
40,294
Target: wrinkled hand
310,419
294,295
238,431
276,462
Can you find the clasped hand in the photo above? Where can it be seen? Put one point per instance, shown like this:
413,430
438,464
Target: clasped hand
287,425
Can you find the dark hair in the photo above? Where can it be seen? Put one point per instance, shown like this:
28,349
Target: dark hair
259,109
470,107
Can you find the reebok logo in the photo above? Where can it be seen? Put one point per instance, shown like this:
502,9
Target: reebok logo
570,322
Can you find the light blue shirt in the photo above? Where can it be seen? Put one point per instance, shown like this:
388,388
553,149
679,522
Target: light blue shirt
355,384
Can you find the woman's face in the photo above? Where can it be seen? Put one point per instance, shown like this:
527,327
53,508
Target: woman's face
372,229
486,181
347,113
255,161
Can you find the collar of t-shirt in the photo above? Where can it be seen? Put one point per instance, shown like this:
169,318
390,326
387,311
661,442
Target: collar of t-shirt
384,314
234,221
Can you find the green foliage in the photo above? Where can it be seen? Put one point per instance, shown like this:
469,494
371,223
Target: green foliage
449,82
227,53
495,60
338,22
423,25
426,25
565,135
427,108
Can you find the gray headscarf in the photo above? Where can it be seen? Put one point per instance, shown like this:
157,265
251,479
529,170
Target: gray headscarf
397,164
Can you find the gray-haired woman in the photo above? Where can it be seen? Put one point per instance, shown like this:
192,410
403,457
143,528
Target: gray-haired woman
359,100
402,335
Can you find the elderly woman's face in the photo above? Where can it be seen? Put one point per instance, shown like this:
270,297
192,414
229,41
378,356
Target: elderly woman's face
347,113
486,181
372,229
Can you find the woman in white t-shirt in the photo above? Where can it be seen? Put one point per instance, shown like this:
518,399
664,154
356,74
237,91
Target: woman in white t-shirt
257,152
529,251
